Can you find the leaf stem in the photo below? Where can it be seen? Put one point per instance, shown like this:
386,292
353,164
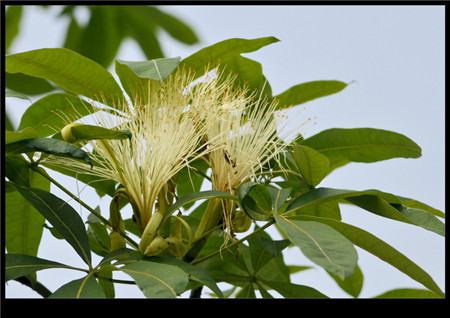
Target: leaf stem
262,228
74,197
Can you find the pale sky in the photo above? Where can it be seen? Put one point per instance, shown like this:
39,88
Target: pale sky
396,56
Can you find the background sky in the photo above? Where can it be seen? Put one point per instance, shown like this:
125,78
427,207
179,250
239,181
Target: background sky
395,55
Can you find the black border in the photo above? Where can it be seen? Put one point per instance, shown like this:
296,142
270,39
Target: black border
152,307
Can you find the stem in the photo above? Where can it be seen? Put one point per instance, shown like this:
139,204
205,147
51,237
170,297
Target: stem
262,228
74,197
150,230
196,292
210,218
36,286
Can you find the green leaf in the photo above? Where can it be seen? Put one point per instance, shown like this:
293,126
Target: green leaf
135,87
328,209
101,38
263,249
44,115
27,85
379,248
313,165
410,293
321,244
424,219
90,132
322,195
98,236
23,224
294,269
222,52
288,290
62,216
8,123
68,69
157,280
73,35
156,69
246,292
106,285
17,265
13,16
86,287
48,145
411,203
306,92
12,93
353,284
342,146
175,27
256,200
15,136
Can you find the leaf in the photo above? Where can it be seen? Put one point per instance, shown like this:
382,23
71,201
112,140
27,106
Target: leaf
223,51
73,34
68,69
342,146
62,216
17,265
86,287
175,27
90,132
424,219
157,280
294,269
156,69
44,115
27,85
410,293
411,203
311,164
306,92
263,249
100,39
15,136
256,200
106,285
23,224
12,93
48,145
98,236
322,195
195,273
353,284
288,290
246,292
321,244
13,16
8,123
135,87
227,55
328,209
380,249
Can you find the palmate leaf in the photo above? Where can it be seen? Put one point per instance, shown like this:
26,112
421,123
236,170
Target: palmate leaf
69,70
379,248
62,216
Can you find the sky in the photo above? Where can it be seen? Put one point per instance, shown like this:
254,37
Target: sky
394,55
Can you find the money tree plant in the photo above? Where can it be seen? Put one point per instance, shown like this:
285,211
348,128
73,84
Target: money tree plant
197,151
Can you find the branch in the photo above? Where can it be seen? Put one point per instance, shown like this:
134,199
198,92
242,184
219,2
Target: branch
36,286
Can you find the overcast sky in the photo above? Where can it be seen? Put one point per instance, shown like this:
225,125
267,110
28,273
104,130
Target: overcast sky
395,55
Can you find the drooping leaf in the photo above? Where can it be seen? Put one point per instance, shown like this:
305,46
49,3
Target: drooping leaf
313,165
68,69
424,219
45,115
101,37
411,203
157,280
306,92
410,293
62,216
353,284
288,290
175,27
48,145
379,248
342,145
17,265
91,132
13,17
86,287
23,224
321,244
27,85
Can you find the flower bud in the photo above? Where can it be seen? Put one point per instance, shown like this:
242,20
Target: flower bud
117,241
156,246
66,132
241,222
